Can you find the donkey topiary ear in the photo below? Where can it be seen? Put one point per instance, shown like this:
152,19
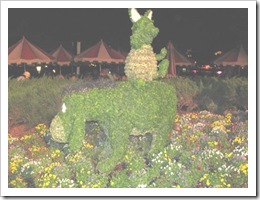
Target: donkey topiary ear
134,15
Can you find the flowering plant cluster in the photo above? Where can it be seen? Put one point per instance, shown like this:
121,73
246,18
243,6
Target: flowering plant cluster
204,150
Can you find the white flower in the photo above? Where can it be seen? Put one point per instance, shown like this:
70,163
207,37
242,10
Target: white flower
142,186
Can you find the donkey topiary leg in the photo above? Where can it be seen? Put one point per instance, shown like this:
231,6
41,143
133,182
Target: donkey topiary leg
77,134
159,140
118,141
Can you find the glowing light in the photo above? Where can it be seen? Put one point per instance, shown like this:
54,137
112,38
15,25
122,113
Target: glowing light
38,68
219,72
54,71
206,67
218,53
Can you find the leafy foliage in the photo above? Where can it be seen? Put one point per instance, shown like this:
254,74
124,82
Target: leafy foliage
218,95
121,111
186,91
207,93
34,101
210,93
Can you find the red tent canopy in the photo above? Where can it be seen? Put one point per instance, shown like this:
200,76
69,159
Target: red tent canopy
100,52
62,56
25,52
123,53
175,58
234,57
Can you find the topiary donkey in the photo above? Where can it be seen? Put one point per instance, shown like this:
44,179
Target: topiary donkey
123,110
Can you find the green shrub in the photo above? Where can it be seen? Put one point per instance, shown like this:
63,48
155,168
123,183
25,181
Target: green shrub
34,101
218,95
186,91
210,93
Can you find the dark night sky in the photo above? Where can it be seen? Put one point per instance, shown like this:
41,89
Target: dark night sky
202,30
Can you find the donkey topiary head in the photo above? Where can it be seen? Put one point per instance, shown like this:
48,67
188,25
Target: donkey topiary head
143,28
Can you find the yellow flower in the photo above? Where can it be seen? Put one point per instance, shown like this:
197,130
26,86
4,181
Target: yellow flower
25,137
228,118
176,119
194,116
95,186
208,182
47,183
193,156
88,172
112,183
204,177
243,168
229,155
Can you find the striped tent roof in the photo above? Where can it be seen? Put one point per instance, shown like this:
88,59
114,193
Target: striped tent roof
26,52
175,58
62,56
100,52
234,57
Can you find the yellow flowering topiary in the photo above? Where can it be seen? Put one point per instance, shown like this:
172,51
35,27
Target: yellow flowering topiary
141,63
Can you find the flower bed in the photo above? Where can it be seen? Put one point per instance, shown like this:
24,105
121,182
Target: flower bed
204,151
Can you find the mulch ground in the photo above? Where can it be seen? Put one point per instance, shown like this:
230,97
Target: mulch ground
20,130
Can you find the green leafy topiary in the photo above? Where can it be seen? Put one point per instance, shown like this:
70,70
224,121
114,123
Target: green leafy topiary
121,111
141,62
136,107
